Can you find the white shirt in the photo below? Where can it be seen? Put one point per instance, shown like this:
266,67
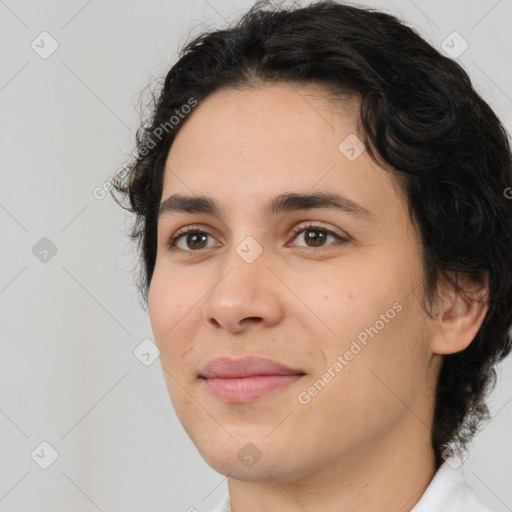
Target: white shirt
447,492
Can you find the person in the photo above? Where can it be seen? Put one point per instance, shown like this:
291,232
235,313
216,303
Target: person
326,257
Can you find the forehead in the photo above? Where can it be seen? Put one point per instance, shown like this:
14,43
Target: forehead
260,114
263,141
292,121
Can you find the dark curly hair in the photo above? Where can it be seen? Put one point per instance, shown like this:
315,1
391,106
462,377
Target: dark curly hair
420,115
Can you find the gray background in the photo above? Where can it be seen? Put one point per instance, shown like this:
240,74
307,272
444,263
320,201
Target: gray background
70,323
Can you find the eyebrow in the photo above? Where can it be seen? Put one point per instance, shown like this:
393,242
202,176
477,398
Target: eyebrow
287,202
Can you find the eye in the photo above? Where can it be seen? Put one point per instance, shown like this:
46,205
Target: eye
193,237
316,235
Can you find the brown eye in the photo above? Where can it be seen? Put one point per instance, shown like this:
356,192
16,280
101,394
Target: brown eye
196,240
193,239
316,236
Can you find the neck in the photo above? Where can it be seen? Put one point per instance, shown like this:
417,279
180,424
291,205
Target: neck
388,473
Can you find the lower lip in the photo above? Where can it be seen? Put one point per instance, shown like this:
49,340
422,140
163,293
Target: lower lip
248,388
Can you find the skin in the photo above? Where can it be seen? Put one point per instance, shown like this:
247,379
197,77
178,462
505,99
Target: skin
363,442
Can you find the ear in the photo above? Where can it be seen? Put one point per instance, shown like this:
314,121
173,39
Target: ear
460,315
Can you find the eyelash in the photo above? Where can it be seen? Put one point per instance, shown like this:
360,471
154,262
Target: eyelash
196,229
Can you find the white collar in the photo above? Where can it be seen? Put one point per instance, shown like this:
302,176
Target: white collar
447,492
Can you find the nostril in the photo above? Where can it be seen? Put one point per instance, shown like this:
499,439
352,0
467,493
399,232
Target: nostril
214,322
252,318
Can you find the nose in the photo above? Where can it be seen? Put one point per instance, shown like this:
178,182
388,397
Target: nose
245,294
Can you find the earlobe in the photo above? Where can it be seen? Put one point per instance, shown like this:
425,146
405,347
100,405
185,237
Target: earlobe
460,317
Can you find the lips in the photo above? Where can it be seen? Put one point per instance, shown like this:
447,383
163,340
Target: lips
236,381
227,368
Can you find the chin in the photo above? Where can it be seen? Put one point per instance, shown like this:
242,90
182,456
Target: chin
231,467
272,464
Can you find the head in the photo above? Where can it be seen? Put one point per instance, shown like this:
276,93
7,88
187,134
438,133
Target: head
412,276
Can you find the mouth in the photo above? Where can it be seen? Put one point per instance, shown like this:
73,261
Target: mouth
246,379
246,389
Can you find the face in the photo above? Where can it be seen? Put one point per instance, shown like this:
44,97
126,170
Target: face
332,292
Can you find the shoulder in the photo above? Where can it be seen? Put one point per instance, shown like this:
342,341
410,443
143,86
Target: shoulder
449,492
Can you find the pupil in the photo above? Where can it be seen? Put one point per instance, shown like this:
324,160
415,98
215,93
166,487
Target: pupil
193,236
317,240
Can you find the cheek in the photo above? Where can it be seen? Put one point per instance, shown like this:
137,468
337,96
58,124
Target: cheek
339,300
173,309
380,374
368,312
172,313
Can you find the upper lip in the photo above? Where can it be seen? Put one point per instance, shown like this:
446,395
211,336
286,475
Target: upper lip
225,367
